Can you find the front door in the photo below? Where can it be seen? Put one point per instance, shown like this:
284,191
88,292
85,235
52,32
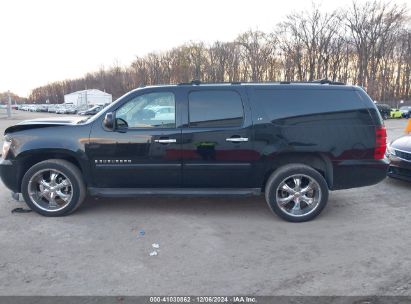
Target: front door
217,143
144,151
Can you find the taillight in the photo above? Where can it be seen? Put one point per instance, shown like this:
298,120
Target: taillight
380,142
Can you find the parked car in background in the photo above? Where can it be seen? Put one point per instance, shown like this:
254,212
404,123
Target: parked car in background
60,109
384,109
406,111
396,113
163,112
33,108
70,109
399,154
66,109
290,142
92,111
52,108
42,108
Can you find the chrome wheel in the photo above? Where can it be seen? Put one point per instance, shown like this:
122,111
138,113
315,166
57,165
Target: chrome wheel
50,190
298,195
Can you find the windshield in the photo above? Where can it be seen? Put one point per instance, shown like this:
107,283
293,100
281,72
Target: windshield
103,110
95,115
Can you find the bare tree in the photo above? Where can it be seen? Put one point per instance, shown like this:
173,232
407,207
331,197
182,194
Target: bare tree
366,44
256,49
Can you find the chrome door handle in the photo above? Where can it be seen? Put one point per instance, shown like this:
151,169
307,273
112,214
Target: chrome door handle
237,139
165,141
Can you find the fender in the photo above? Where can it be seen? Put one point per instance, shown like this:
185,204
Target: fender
64,142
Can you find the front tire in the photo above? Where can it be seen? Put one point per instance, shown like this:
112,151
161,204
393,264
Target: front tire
296,193
53,187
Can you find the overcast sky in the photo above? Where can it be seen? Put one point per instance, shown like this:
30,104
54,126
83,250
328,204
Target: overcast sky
47,40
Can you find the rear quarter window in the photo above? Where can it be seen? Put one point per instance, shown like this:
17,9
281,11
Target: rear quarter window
277,104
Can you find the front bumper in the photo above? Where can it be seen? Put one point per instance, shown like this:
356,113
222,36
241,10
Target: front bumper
9,174
399,168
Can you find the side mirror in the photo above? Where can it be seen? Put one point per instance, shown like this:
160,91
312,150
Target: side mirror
109,121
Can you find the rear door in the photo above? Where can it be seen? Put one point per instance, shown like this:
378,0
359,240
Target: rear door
217,139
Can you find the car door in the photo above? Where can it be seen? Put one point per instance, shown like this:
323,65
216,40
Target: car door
217,139
144,150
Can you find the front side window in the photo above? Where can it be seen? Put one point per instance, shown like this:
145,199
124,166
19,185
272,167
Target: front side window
215,109
152,110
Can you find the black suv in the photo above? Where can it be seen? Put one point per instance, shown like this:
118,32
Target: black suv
291,141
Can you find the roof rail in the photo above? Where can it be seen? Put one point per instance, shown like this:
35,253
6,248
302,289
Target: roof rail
193,82
319,81
327,81
198,82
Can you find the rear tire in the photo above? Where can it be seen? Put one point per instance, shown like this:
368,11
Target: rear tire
296,193
54,187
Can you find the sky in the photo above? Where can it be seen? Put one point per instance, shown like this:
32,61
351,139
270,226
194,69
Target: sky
43,41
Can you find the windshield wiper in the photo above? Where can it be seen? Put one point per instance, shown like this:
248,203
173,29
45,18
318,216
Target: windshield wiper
84,120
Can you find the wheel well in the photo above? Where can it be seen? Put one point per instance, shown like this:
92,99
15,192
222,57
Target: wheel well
30,161
318,162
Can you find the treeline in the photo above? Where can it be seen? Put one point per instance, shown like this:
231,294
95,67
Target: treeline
367,44
4,98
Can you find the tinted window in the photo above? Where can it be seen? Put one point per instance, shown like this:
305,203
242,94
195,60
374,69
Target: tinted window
271,104
215,109
153,110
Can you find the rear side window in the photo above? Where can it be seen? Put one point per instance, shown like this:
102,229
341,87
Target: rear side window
215,109
273,104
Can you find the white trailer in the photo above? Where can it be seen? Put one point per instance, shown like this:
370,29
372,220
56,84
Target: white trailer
88,98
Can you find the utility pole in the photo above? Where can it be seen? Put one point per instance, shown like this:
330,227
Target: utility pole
9,106
85,95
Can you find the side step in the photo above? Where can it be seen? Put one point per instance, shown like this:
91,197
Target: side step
132,192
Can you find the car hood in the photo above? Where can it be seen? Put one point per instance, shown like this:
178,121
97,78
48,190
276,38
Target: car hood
403,143
43,123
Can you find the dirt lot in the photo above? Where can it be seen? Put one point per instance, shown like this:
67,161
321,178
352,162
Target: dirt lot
360,245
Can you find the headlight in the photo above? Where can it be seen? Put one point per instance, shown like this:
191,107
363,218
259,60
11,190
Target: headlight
6,148
389,151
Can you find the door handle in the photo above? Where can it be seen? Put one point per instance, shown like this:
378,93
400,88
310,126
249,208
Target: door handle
237,139
165,141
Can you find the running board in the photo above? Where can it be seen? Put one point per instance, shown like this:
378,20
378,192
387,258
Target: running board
132,192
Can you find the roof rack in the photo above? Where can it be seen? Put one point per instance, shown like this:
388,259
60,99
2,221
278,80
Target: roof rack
198,82
327,81
193,82
319,81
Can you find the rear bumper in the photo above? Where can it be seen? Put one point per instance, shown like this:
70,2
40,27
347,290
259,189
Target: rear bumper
358,173
9,175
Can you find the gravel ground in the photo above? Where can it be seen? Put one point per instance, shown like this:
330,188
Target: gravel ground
359,245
